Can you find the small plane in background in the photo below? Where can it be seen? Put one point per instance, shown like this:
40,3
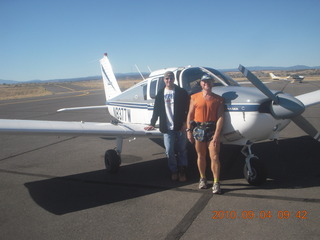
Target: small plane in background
293,78
251,114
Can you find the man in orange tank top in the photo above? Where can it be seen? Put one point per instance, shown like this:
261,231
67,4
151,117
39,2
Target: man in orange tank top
207,108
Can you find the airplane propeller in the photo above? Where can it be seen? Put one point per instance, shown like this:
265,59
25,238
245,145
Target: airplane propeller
283,106
306,126
256,82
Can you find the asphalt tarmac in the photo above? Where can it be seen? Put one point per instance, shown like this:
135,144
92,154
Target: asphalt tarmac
55,187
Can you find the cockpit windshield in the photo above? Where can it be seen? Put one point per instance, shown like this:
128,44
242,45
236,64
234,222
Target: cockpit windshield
222,77
190,78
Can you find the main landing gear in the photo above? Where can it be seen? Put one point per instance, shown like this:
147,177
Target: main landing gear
254,171
112,157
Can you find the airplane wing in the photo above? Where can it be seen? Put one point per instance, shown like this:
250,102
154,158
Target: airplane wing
9,126
82,108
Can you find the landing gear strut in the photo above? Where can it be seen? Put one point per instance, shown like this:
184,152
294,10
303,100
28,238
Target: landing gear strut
112,157
254,171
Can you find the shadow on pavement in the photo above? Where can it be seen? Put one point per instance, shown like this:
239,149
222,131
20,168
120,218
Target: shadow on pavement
291,163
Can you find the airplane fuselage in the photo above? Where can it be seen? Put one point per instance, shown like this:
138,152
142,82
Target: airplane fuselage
247,116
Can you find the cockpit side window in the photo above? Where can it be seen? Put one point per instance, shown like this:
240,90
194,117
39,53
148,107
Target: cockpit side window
155,85
144,90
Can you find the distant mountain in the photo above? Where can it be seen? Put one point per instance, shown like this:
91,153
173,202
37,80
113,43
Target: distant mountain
52,80
8,81
293,68
258,68
128,76
68,79
120,76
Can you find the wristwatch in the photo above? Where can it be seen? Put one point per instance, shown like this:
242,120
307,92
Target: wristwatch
188,130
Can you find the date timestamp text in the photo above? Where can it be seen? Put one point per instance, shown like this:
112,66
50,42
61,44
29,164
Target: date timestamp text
284,214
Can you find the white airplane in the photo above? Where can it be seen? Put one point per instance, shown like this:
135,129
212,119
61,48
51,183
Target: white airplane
293,78
251,114
296,78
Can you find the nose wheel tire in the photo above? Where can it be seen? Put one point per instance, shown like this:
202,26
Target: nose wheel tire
112,161
258,175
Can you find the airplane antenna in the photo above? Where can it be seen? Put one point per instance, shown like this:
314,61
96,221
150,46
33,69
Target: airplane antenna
139,71
149,69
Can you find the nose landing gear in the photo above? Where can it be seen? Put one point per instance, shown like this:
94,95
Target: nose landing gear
254,171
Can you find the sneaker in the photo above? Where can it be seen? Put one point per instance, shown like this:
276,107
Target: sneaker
182,174
174,176
216,188
203,183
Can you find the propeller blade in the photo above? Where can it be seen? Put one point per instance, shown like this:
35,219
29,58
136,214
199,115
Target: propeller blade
306,126
256,82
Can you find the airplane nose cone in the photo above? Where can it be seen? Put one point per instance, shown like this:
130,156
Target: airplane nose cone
287,107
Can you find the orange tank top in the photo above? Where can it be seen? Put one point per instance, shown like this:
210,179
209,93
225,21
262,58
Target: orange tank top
206,110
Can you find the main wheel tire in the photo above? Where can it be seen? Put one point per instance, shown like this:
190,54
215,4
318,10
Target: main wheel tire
112,161
259,175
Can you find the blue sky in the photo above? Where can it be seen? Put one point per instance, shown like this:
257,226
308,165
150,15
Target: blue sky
49,39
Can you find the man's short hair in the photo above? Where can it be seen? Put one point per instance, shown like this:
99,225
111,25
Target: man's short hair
169,74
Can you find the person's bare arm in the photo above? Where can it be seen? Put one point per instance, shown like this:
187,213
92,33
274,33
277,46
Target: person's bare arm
189,119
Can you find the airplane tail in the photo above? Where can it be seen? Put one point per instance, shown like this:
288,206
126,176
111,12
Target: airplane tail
272,76
110,83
